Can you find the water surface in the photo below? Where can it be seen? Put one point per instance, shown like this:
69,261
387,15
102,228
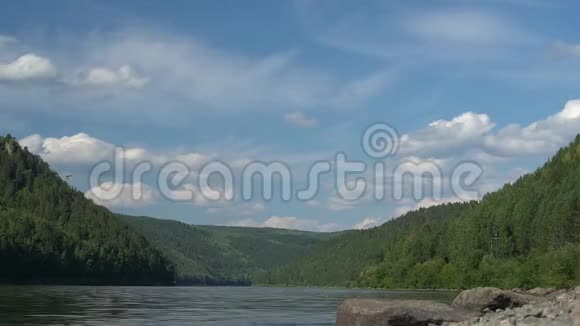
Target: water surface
204,306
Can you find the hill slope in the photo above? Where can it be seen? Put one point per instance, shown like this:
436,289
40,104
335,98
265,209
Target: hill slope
527,234
339,262
224,255
50,233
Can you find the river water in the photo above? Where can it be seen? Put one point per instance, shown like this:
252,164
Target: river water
236,306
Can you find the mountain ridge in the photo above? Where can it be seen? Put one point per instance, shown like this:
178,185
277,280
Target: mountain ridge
223,255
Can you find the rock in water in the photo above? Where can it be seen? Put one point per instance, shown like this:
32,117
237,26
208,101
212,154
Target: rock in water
491,298
372,312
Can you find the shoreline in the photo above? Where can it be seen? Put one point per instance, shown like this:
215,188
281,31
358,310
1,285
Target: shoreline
477,306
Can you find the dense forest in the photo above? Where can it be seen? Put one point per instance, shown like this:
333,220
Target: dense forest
221,255
50,233
526,234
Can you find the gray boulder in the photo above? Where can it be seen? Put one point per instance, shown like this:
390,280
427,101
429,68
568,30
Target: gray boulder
541,291
373,312
481,299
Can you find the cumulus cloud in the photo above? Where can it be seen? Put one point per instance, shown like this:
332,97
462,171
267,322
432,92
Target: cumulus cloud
77,149
539,138
83,149
367,223
288,222
128,195
28,67
442,136
125,76
300,119
476,133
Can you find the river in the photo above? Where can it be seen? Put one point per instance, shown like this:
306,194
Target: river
204,306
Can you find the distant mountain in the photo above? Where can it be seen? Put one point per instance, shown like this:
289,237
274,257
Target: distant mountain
525,235
50,233
221,255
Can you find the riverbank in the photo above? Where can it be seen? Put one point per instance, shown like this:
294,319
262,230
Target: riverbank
549,307
479,306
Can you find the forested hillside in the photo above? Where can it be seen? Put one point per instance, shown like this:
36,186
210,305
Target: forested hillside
341,260
215,255
49,232
527,234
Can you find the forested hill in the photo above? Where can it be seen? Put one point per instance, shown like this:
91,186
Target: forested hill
525,235
340,261
49,232
221,255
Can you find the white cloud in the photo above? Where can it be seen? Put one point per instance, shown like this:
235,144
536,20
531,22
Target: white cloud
442,136
411,205
288,222
28,67
33,143
539,138
125,76
244,209
77,149
130,195
476,133
367,223
299,119
83,149
6,40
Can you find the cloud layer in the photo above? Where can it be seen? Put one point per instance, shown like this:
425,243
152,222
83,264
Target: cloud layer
288,222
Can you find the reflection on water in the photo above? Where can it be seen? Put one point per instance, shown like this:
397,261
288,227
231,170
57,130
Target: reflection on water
68,305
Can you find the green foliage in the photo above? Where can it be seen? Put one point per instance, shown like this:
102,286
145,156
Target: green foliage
527,234
340,261
49,232
220,255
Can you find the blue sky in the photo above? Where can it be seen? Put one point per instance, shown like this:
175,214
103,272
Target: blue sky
493,82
